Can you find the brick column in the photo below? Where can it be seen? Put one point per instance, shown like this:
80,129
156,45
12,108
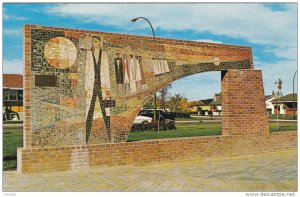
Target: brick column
243,103
27,86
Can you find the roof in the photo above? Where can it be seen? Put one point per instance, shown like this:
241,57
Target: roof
288,97
217,102
12,81
206,101
200,102
268,97
195,103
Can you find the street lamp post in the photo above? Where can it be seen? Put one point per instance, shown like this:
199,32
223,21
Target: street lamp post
294,95
154,97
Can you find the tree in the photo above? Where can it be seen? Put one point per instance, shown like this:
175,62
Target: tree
163,96
150,103
184,105
174,102
277,95
284,107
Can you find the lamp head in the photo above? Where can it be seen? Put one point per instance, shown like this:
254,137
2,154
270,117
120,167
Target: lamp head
134,19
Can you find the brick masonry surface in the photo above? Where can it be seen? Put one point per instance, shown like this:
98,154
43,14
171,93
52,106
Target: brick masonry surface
86,87
83,89
243,103
150,151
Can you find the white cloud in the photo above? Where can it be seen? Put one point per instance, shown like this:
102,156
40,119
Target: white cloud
14,66
209,40
12,32
12,16
283,69
276,31
200,86
285,52
253,22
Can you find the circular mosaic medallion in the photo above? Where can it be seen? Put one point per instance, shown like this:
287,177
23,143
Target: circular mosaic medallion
217,61
60,52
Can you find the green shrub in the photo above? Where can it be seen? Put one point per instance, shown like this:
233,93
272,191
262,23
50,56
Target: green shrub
153,126
182,115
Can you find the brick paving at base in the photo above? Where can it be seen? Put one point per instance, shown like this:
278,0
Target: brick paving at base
276,171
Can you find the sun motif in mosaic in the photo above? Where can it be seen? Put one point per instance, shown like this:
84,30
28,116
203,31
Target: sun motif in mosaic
60,52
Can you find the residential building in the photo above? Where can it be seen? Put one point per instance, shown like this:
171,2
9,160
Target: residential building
205,107
285,104
217,96
194,106
269,105
200,107
217,104
13,92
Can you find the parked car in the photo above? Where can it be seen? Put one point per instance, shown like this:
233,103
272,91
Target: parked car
162,114
142,120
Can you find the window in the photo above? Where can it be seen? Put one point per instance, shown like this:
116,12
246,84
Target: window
20,95
13,95
5,95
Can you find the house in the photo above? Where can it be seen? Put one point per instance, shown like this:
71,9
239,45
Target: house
269,105
13,92
217,96
205,107
194,106
200,107
217,104
285,104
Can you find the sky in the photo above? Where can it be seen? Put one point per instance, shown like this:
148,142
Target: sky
270,29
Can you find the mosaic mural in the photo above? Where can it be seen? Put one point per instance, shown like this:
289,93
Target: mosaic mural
86,87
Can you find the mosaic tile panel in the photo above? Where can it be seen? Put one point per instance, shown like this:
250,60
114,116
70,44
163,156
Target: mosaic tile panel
45,81
97,82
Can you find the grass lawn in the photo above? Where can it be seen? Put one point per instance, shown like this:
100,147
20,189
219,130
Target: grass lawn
186,119
13,138
183,130
283,126
199,129
198,118
281,116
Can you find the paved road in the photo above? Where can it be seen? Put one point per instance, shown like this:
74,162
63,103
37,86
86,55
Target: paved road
215,119
275,171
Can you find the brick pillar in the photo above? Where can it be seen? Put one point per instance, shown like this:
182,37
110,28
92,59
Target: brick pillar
243,103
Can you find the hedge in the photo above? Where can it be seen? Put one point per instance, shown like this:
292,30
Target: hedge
153,126
182,115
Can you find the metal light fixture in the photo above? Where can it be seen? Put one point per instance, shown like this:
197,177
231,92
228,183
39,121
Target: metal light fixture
294,114
154,97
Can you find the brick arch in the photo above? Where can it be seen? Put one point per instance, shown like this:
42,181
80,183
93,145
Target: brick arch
82,108
176,72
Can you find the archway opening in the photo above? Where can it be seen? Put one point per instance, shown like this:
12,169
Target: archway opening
193,104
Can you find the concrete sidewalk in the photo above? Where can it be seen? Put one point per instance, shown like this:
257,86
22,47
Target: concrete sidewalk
276,171
274,120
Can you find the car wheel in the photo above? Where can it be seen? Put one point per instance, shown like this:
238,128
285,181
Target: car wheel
144,125
144,122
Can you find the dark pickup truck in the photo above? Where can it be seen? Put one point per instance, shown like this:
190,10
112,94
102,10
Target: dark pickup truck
164,115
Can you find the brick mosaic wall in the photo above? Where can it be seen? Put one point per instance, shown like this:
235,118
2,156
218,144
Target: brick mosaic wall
243,103
151,151
86,87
